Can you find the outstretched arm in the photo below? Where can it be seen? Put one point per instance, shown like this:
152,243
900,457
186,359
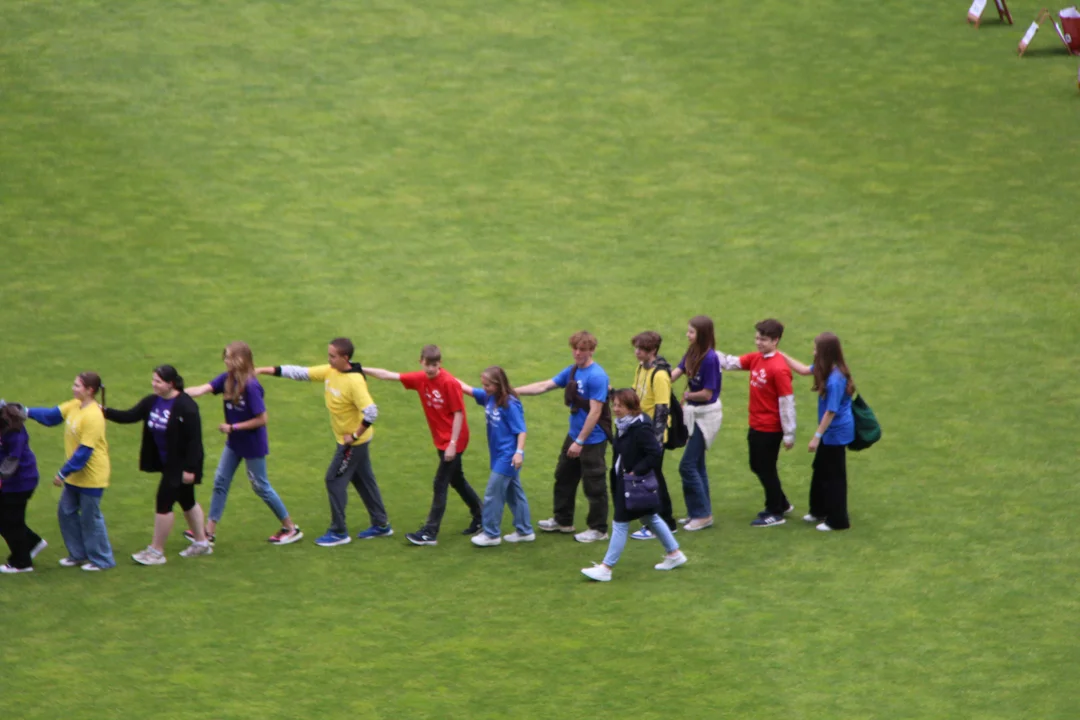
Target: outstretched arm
382,374
465,387
138,412
293,372
729,362
199,390
46,416
537,388
796,367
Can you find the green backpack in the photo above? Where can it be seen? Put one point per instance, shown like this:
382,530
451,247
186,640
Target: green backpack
867,428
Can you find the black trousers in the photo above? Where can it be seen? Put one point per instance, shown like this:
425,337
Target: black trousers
764,451
666,513
590,469
828,486
19,538
450,475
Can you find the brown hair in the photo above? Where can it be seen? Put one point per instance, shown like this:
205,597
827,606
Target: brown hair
583,339
829,355
344,346
92,381
648,341
706,341
628,399
11,419
503,389
771,328
237,379
430,354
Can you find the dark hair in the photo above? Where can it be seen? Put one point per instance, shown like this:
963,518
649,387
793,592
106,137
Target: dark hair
829,355
168,374
504,390
583,338
344,346
648,341
706,341
11,419
628,398
92,381
771,328
430,354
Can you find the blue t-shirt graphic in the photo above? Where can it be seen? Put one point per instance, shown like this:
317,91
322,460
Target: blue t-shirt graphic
592,384
504,424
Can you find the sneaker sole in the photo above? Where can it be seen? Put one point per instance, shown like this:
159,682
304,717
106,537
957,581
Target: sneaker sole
419,543
38,548
388,533
146,562
287,540
672,567
687,527
599,539
506,538
561,529
772,524
334,543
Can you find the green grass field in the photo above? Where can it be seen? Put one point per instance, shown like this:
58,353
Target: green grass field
492,176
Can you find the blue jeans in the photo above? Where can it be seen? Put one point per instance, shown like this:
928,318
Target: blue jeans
622,529
695,478
83,528
260,483
505,490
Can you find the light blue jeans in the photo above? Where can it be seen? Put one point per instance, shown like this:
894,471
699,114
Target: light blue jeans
505,490
621,530
695,478
260,483
83,527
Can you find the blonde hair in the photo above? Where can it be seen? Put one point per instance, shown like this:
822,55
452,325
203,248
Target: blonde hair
241,369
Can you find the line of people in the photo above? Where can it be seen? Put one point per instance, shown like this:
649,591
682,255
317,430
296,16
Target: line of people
643,425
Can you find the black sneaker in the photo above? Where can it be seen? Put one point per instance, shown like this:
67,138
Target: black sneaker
474,527
421,538
190,537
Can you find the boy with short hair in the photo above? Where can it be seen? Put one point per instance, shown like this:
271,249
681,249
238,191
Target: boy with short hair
652,382
352,415
441,397
772,415
582,458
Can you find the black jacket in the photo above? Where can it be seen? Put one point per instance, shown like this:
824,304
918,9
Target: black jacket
183,438
638,451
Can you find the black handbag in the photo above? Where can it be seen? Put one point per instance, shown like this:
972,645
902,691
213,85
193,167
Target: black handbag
641,492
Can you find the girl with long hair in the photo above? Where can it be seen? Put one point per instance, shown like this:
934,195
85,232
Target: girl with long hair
836,429
703,415
245,439
18,480
506,444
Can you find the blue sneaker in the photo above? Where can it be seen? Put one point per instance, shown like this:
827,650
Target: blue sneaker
768,520
375,531
331,538
643,534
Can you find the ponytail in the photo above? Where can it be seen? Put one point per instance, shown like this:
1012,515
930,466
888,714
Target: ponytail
168,374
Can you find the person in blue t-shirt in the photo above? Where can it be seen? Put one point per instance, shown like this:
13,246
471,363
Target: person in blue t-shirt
506,444
836,429
583,456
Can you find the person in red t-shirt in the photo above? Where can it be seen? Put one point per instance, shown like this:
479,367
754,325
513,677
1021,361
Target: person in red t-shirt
440,394
772,415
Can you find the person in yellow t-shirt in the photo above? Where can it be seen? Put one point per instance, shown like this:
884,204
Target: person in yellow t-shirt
84,476
652,382
352,417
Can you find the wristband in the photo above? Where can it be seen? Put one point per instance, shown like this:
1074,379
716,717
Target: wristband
579,442
520,452
817,435
354,436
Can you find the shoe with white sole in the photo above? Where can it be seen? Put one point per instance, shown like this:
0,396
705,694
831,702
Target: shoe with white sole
8,570
38,548
590,535
90,567
149,556
285,536
70,562
813,519
197,549
599,573
670,563
550,525
698,524
824,527
768,520
485,540
516,537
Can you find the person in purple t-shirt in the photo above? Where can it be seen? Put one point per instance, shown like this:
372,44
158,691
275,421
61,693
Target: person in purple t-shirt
703,415
18,480
245,431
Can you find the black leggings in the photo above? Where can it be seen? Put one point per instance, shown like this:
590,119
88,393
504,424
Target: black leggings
20,539
169,494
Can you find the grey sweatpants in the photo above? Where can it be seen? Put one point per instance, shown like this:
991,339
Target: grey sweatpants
356,470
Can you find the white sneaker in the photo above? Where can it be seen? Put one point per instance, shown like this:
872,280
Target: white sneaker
600,573
8,570
698,524
670,563
683,521
516,537
196,549
70,562
149,556
811,518
90,567
824,527
550,525
485,540
38,548
591,535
